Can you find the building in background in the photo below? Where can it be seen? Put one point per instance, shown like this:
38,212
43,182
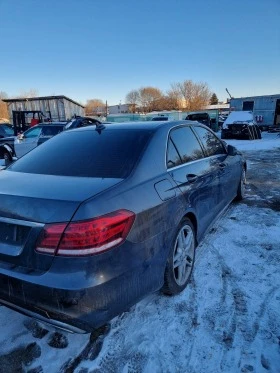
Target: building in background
266,109
55,108
120,109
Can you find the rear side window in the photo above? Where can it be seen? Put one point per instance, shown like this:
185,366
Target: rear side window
105,154
51,130
211,143
186,144
173,158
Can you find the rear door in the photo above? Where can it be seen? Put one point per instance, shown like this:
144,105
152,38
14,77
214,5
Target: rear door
228,167
194,173
29,140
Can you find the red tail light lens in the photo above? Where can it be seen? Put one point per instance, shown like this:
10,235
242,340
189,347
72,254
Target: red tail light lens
50,237
87,237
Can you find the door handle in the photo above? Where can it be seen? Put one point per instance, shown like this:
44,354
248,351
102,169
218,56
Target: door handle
191,178
222,165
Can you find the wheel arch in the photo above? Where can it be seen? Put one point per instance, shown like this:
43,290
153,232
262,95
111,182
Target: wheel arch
193,219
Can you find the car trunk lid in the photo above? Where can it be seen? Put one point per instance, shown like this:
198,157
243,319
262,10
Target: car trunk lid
28,202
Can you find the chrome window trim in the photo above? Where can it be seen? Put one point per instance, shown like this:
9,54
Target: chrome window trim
191,162
20,222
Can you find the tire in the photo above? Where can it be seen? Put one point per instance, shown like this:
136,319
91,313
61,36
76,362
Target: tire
259,132
7,157
241,187
180,259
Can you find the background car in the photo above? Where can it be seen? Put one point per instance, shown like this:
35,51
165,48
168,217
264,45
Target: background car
159,118
79,122
17,146
240,125
82,238
203,118
6,130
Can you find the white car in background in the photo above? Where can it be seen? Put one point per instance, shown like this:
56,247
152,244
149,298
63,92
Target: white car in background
241,125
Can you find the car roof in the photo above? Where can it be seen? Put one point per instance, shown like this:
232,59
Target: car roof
149,125
50,124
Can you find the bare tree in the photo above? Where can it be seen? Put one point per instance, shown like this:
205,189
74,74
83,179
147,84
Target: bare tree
132,99
175,100
149,97
95,106
32,92
195,95
3,106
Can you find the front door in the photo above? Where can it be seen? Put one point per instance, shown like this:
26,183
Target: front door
27,141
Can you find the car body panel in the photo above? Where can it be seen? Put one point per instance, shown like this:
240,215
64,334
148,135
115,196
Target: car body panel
87,291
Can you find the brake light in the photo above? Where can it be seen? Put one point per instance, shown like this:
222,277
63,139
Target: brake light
50,237
87,237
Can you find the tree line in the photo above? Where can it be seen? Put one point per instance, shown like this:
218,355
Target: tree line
186,95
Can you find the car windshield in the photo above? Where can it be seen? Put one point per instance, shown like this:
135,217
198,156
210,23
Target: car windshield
8,130
103,154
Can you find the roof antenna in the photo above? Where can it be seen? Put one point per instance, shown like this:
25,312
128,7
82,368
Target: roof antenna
99,127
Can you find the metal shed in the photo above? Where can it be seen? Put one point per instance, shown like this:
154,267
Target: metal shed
57,108
266,109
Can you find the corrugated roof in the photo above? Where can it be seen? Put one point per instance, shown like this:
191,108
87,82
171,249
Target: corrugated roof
40,98
251,97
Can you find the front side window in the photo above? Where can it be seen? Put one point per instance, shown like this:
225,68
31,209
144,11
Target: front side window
33,132
211,143
186,144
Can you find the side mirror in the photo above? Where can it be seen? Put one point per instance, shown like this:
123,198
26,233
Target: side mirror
231,150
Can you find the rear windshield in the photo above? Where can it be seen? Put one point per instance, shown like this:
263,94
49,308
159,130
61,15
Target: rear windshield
105,154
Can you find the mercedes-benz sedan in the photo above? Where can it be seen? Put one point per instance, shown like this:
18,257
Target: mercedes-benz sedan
96,218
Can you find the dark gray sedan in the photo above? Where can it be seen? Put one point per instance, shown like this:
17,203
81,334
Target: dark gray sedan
96,218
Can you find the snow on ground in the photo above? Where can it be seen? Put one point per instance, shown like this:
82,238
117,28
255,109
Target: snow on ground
268,142
227,320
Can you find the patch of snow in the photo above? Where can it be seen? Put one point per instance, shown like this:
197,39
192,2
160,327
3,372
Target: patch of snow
269,141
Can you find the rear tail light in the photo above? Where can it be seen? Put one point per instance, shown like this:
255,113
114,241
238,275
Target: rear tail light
86,237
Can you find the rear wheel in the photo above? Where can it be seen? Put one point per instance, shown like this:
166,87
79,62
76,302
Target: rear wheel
180,260
259,132
7,157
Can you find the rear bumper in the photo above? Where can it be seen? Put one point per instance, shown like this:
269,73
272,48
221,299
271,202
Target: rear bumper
78,310
81,300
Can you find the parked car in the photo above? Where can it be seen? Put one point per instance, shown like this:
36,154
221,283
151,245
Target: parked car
78,122
93,220
6,130
159,118
17,146
241,125
203,118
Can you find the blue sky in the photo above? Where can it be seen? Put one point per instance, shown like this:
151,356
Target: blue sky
104,48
